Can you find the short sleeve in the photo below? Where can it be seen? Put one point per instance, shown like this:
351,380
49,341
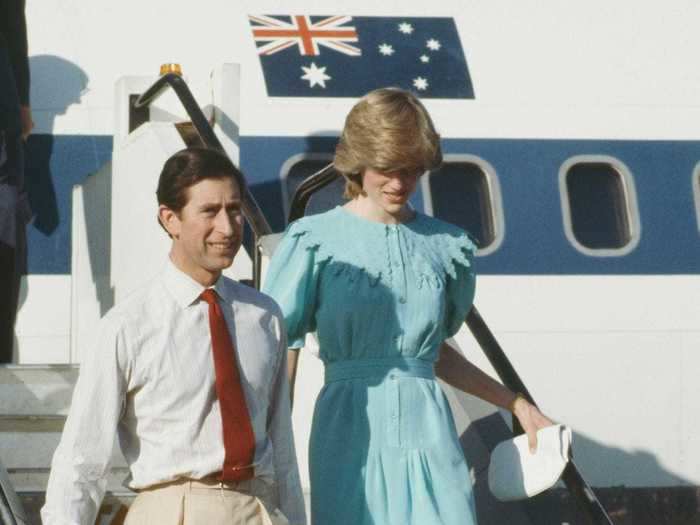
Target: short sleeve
292,281
461,285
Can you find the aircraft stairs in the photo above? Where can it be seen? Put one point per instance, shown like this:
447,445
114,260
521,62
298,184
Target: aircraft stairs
34,399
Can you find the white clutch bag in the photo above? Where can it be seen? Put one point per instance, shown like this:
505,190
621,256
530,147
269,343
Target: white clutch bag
515,473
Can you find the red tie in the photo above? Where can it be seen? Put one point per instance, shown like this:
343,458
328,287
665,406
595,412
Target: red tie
239,440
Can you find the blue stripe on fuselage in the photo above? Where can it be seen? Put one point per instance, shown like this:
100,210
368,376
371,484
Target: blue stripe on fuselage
528,172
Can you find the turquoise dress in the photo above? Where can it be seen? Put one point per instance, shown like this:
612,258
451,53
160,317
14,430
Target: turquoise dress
381,299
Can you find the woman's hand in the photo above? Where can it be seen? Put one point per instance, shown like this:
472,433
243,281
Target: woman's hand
25,113
531,419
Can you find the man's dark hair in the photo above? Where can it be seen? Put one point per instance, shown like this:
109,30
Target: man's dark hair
189,166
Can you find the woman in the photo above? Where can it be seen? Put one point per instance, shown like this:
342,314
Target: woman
384,287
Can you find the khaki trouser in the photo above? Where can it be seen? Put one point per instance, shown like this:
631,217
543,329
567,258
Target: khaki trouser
205,502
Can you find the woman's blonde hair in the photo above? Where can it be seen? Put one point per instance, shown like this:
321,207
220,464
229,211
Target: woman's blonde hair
387,130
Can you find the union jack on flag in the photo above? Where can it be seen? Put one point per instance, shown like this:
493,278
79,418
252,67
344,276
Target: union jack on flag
304,33
345,56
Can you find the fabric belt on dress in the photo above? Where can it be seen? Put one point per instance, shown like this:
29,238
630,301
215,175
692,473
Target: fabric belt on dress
390,367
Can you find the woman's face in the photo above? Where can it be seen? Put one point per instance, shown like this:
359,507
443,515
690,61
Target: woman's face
389,191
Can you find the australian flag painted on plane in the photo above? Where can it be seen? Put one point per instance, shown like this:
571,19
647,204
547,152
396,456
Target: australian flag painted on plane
344,56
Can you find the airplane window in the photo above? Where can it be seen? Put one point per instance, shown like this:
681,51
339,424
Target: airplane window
600,206
298,169
476,208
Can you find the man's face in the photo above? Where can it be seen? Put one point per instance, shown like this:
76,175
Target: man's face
207,232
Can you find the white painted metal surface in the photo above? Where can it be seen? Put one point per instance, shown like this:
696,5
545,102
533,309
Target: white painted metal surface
613,356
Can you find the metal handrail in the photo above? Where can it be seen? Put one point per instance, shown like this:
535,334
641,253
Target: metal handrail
572,478
506,372
306,189
249,206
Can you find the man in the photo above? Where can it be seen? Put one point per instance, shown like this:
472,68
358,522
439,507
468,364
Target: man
15,126
190,372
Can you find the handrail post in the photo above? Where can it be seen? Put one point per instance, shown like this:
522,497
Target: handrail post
251,209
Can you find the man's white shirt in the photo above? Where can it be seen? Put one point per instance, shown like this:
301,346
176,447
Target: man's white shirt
149,380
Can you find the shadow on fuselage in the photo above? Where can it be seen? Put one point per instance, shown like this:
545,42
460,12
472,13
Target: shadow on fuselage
482,427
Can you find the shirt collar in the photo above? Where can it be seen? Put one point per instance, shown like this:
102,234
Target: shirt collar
186,290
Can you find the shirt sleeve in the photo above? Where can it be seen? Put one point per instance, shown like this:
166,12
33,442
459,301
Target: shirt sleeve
461,287
77,480
292,281
290,498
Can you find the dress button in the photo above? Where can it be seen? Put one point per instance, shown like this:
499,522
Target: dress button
402,300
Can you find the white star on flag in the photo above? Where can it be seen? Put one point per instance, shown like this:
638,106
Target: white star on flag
405,28
425,59
420,83
315,75
386,50
433,44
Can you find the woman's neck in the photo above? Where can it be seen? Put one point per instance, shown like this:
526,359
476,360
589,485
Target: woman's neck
367,209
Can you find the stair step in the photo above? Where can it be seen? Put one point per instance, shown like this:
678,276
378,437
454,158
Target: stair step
112,512
38,390
32,423
35,449
36,479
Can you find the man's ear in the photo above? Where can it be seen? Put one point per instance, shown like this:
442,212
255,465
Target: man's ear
169,220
